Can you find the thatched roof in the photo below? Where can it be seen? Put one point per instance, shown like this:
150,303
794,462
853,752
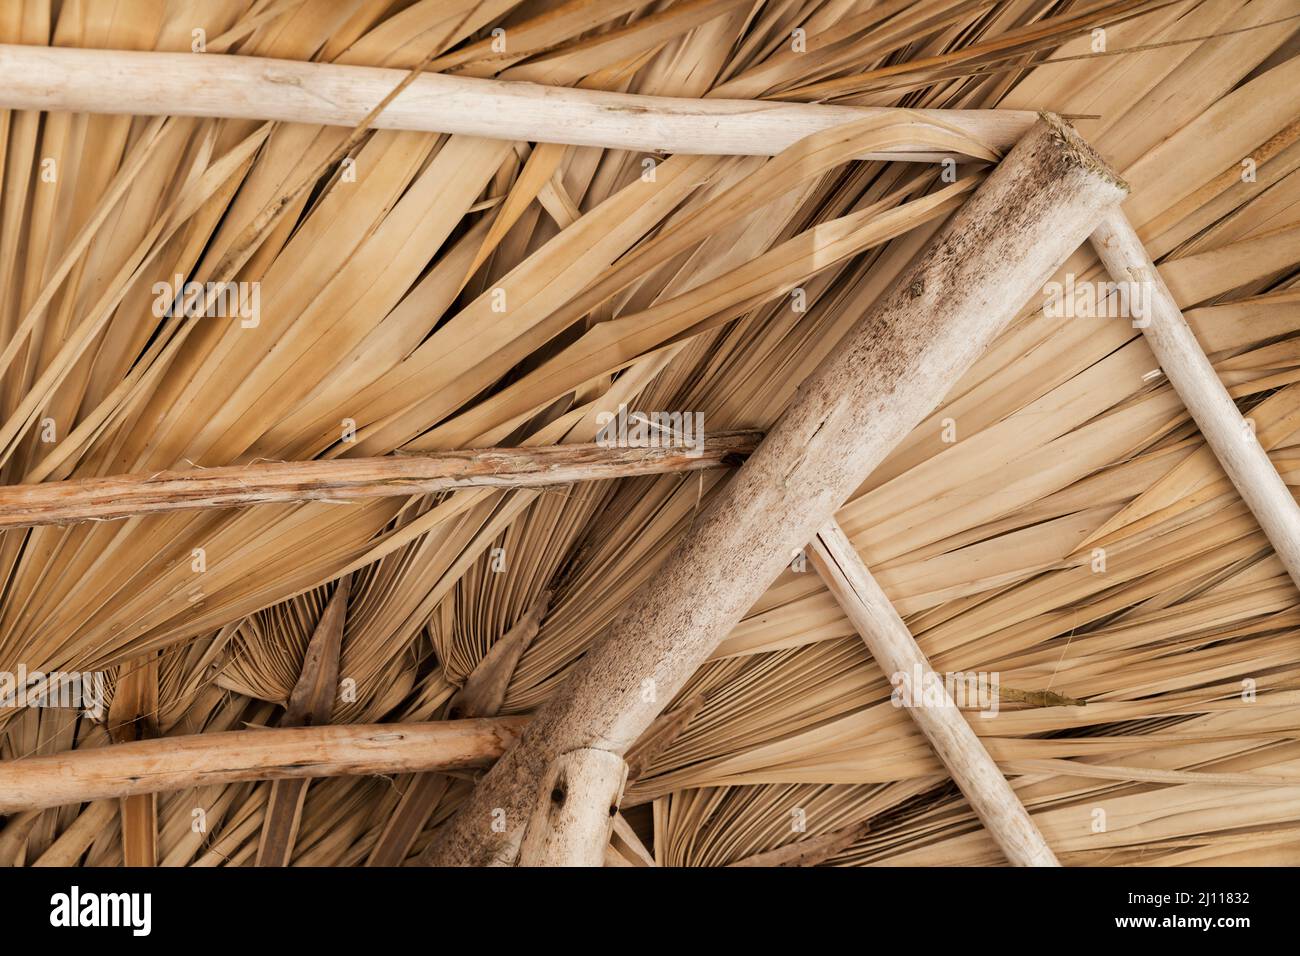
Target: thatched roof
1058,521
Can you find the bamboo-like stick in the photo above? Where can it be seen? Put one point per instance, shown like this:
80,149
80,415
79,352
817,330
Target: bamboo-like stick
215,84
896,651
888,373
125,496
175,763
1180,356
575,811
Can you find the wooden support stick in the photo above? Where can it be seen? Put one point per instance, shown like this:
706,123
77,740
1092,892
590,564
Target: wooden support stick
896,651
126,496
174,763
575,811
627,845
888,373
215,84
1229,435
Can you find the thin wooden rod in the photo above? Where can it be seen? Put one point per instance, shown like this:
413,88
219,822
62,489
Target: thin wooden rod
347,479
889,372
1180,356
215,84
175,763
897,653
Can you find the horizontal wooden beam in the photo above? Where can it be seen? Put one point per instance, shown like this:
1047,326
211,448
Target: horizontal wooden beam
176,763
349,479
215,84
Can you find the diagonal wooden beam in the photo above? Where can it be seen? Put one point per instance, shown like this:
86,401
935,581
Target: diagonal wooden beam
176,763
215,84
897,653
626,847
128,496
888,373
1180,356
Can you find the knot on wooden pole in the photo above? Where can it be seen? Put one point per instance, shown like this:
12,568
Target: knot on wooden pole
578,800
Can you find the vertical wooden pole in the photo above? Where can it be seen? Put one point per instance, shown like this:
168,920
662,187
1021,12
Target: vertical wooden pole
575,811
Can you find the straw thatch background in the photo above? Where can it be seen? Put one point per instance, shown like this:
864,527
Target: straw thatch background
376,307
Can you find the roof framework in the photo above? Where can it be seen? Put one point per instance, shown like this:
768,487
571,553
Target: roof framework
1055,519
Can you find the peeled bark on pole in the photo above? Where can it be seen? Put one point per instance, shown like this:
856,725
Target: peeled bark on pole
890,371
575,811
1193,377
245,87
896,651
175,763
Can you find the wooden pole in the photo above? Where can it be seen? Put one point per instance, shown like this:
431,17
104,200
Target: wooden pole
126,496
215,84
888,373
575,811
175,763
1230,437
897,653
